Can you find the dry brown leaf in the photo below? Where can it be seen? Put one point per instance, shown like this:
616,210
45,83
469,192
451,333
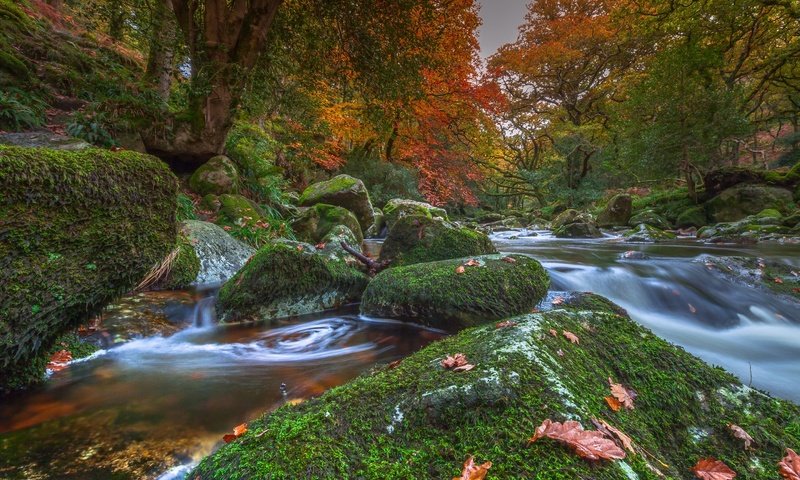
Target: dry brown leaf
509,259
789,466
614,434
472,471
553,332
713,469
452,361
588,444
613,403
395,363
299,248
558,300
506,324
739,433
571,337
320,246
238,431
778,280
460,269
472,263
624,395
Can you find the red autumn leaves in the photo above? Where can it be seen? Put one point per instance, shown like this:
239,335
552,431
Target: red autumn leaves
238,431
457,363
588,444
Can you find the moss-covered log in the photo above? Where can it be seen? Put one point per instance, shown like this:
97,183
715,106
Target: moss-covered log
288,278
435,294
418,420
76,229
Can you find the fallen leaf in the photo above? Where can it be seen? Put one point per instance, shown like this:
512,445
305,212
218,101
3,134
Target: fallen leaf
320,246
299,248
571,337
591,445
507,323
615,434
509,259
739,433
238,431
453,361
472,471
558,300
624,395
553,332
778,280
789,466
59,360
713,469
228,437
472,263
460,269
395,363
613,403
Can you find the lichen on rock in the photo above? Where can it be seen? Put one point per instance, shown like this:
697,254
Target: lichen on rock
342,191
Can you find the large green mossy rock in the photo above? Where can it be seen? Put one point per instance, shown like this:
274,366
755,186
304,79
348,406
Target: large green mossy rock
419,239
316,222
574,224
441,295
617,211
742,200
234,210
649,217
398,208
417,420
217,176
343,191
288,278
76,229
645,233
692,217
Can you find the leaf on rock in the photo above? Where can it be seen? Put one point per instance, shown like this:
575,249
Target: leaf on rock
457,363
553,332
238,431
472,263
320,246
472,471
614,434
591,445
571,337
713,469
506,324
739,433
789,466
395,363
613,403
509,259
778,280
460,269
558,300
624,395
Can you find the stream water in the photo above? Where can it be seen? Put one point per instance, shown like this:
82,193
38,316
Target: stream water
165,400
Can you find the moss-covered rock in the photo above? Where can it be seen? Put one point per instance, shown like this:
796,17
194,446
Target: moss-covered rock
751,229
756,272
435,294
185,267
617,212
418,420
316,222
76,230
217,176
648,234
692,217
649,217
234,210
742,200
418,239
331,245
398,208
574,224
343,191
288,278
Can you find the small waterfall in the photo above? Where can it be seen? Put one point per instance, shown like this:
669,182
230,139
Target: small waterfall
204,314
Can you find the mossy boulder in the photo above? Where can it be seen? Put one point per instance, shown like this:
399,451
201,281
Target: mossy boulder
649,217
217,176
742,200
331,245
398,208
288,278
617,212
418,420
751,229
435,294
419,239
314,223
221,255
647,234
77,228
757,273
343,191
574,224
185,266
692,217
235,210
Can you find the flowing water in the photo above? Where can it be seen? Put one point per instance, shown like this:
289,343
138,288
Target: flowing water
167,396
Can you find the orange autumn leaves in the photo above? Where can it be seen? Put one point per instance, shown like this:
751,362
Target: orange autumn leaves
591,445
238,431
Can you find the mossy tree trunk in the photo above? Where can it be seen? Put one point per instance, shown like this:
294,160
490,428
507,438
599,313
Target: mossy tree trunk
161,55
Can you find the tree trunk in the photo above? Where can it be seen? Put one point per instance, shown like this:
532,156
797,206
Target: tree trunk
160,60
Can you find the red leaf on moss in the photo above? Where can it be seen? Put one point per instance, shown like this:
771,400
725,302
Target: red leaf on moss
553,332
472,471
739,433
395,363
622,394
58,360
453,361
789,466
472,263
460,269
588,444
613,403
778,280
614,434
571,337
238,431
713,469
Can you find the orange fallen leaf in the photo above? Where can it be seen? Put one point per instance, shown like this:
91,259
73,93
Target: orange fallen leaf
228,437
789,466
613,403
588,444
238,431
472,263
395,363
558,300
553,332
624,395
509,259
299,248
453,361
739,433
614,433
472,471
713,469
460,269
778,280
320,246
507,323
58,360
571,337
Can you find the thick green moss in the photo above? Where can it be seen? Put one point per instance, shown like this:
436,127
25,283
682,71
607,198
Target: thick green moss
742,200
419,239
436,295
76,229
288,278
647,233
316,222
215,177
185,267
398,208
617,212
418,420
235,210
343,191
692,217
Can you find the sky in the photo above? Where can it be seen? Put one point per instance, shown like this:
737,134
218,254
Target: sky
500,21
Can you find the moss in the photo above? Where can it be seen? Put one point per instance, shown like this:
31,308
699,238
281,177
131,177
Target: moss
13,65
742,200
217,176
185,267
76,229
186,209
769,213
418,239
235,210
397,208
692,217
617,212
434,294
342,191
418,420
648,233
317,221
288,278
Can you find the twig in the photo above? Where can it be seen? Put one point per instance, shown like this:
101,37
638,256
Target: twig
373,266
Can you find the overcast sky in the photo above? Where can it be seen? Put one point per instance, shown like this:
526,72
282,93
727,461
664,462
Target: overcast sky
501,18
